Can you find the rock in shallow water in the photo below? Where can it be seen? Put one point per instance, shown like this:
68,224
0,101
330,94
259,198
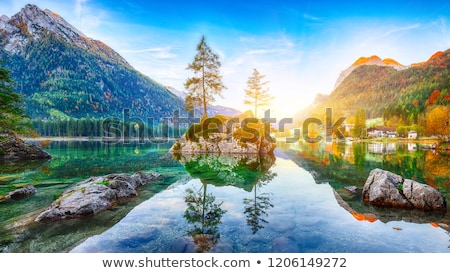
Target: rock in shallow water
386,189
21,193
94,195
14,148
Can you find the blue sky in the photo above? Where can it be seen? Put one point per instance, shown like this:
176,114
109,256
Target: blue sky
301,46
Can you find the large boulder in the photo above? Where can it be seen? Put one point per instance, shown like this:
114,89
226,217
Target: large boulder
14,148
94,195
386,189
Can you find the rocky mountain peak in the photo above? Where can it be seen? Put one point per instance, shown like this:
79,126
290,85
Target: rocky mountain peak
37,19
31,23
372,60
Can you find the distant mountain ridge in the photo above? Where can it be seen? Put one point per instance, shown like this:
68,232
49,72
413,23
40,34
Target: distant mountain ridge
211,109
63,73
372,60
386,89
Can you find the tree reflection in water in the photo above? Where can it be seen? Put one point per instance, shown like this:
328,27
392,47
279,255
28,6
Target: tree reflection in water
248,172
257,207
205,215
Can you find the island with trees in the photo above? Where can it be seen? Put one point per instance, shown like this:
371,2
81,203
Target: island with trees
242,134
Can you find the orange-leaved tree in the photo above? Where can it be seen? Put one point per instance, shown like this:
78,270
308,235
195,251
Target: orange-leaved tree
438,122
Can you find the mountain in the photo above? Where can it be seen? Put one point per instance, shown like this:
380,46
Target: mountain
385,89
63,73
373,60
210,109
181,94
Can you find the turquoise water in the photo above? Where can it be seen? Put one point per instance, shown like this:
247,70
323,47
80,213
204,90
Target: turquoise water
293,202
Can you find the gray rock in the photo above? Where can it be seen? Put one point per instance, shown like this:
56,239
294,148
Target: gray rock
21,193
352,189
423,196
386,189
14,148
222,143
94,195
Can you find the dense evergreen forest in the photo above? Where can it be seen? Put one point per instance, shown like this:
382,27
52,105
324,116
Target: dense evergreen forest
110,127
63,74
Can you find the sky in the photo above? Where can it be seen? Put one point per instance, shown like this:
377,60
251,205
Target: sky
300,46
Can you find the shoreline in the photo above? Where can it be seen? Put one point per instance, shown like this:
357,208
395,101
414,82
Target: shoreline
51,138
102,139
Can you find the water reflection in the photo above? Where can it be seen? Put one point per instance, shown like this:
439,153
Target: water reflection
256,209
241,171
72,162
248,172
346,168
205,215
287,212
381,148
18,166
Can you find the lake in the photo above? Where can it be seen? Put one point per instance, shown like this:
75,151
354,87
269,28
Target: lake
295,201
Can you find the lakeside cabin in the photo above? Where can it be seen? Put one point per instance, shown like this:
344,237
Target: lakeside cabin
381,132
412,134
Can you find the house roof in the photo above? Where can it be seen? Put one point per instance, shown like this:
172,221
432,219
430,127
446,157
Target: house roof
381,128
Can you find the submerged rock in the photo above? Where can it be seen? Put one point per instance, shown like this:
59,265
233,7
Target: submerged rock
21,193
386,189
14,148
94,195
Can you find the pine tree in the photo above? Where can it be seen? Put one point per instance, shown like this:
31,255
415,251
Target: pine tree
206,81
255,95
12,115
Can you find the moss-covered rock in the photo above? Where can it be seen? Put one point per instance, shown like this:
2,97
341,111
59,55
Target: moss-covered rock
242,134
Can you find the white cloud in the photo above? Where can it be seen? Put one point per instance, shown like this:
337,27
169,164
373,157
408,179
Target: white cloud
262,51
79,7
311,17
399,29
444,40
157,52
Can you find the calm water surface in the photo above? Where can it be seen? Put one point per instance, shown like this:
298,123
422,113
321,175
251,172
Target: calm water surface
295,201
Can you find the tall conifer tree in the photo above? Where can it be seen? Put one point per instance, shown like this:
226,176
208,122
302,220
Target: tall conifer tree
207,81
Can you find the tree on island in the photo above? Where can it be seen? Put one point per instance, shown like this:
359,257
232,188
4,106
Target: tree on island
12,115
255,93
206,81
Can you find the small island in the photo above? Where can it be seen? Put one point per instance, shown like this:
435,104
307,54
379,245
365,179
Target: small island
243,134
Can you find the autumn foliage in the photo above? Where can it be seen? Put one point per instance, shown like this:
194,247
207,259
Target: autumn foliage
438,121
434,97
